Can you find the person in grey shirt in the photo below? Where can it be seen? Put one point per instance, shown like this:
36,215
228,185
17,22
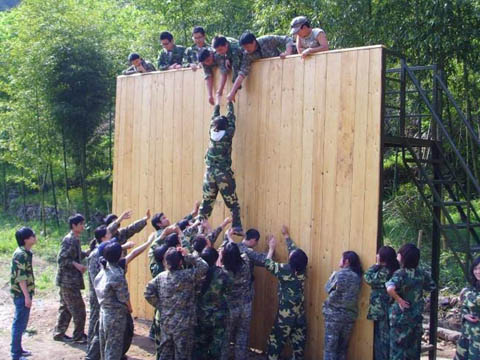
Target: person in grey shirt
309,40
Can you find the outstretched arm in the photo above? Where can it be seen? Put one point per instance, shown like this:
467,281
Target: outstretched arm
291,246
139,249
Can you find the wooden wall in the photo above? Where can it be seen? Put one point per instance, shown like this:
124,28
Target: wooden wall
306,154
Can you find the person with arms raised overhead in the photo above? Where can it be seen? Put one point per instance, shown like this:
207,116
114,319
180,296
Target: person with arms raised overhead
218,159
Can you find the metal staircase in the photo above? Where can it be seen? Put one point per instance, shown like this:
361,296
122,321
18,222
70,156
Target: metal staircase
415,100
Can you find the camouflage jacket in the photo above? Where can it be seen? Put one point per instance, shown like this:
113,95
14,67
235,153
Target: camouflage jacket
242,289
342,288
212,302
126,233
148,66
70,251
409,285
291,284
167,58
21,270
191,54
156,268
267,46
172,293
111,287
94,268
191,232
219,153
471,306
376,276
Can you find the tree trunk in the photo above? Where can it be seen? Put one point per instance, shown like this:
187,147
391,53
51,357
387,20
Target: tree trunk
24,200
43,215
65,167
54,196
83,160
5,189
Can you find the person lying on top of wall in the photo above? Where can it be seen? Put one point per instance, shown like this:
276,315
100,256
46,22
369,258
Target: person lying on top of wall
138,65
171,56
264,47
190,58
309,40
228,56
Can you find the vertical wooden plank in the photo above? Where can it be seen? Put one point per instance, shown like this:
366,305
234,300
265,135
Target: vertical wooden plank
200,102
188,120
177,145
332,118
317,256
168,146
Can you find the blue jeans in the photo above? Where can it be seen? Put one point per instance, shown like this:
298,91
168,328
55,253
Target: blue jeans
19,325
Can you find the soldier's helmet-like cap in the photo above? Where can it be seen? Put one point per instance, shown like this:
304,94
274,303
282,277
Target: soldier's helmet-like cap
297,23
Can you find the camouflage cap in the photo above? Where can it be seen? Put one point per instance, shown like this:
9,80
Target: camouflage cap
297,23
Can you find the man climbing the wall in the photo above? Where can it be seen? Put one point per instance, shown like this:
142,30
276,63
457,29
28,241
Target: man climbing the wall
219,175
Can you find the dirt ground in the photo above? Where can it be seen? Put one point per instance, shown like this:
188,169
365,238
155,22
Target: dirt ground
42,321
39,333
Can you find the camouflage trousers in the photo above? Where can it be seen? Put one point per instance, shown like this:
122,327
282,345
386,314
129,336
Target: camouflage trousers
115,332
210,338
468,346
337,336
381,339
71,305
175,345
291,327
93,340
222,180
238,329
405,341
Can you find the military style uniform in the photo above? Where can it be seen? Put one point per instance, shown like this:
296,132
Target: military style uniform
239,301
376,276
340,311
148,66
406,325
112,292
70,281
123,234
468,346
167,58
191,54
93,341
232,60
290,322
219,175
267,46
212,314
172,293
22,270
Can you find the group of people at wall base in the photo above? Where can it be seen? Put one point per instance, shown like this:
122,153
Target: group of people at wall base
231,55
203,297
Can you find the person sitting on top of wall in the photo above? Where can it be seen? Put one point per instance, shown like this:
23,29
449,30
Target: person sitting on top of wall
309,40
264,47
171,56
138,65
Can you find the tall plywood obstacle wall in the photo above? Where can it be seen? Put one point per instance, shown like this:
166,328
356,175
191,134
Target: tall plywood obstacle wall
306,154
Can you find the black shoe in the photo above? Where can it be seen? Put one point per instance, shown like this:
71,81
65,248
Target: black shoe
62,337
81,340
237,230
26,353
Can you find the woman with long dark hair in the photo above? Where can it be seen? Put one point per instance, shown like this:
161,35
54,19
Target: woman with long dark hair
340,309
376,276
212,310
468,346
239,298
406,287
